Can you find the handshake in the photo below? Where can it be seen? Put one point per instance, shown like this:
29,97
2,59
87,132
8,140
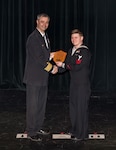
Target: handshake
58,57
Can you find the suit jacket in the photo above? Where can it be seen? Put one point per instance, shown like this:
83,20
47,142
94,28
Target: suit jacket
37,56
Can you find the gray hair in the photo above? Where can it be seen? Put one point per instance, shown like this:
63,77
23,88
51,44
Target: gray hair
42,15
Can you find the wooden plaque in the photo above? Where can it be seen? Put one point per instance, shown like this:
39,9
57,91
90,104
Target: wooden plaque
59,56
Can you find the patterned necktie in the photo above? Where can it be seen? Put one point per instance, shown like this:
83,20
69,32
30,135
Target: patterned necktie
45,39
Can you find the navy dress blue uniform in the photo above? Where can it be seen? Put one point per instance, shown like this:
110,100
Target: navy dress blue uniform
78,66
36,74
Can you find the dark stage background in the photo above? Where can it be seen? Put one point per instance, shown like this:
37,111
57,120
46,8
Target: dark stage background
95,18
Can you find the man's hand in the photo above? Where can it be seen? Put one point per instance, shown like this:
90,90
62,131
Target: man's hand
59,63
55,69
52,55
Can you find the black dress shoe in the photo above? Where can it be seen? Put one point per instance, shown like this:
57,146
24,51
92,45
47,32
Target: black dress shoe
69,133
76,139
43,132
35,138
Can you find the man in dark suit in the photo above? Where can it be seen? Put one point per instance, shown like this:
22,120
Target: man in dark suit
36,74
77,62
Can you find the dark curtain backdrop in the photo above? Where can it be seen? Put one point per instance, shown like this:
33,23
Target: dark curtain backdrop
95,18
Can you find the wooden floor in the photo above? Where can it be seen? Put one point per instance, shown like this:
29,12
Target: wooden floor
102,120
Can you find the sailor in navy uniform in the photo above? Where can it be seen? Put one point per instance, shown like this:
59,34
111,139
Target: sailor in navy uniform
78,62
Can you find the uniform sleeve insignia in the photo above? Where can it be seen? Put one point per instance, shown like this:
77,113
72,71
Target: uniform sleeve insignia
79,59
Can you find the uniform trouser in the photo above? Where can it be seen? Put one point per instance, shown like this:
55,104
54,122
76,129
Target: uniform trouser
36,97
78,104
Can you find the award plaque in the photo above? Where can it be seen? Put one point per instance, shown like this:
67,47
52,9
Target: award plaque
59,56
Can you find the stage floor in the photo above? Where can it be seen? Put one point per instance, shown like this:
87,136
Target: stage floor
102,120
